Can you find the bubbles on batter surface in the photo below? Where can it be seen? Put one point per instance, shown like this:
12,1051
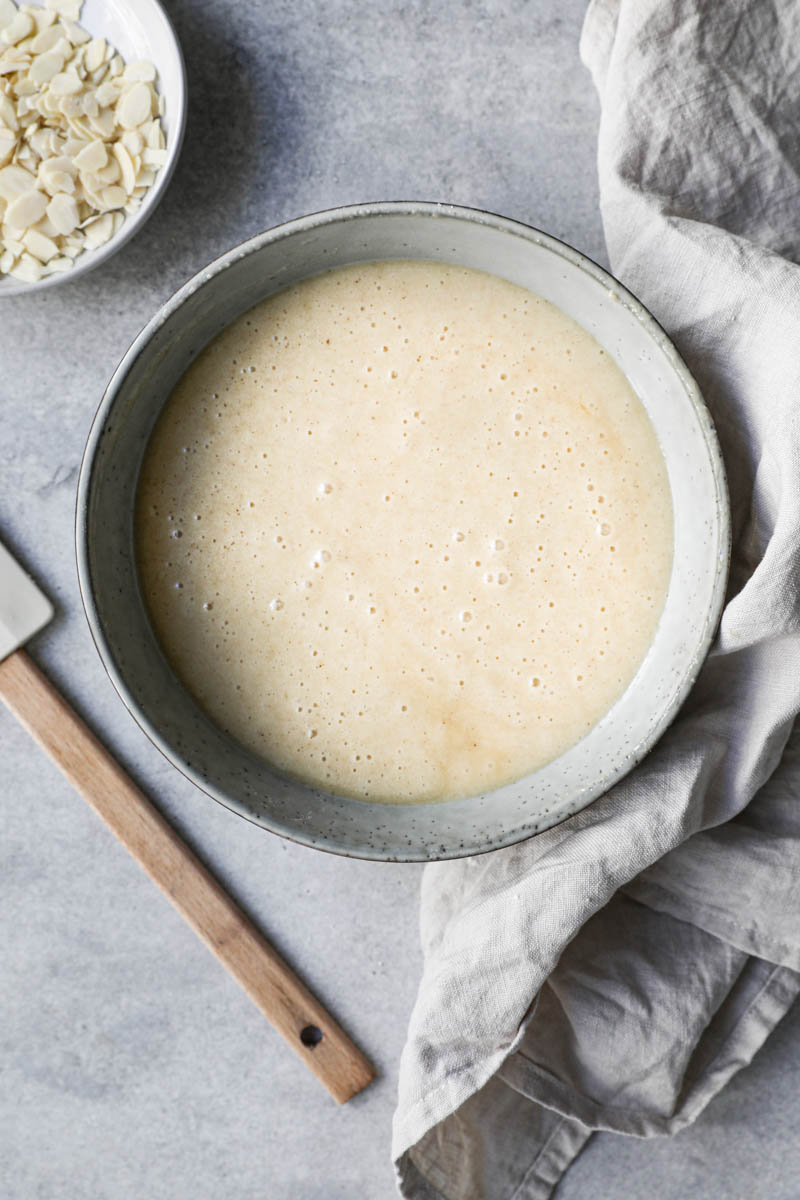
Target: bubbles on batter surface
327,665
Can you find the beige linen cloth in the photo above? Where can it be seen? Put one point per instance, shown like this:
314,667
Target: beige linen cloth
614,972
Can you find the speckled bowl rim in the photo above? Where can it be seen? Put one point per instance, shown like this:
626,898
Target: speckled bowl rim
503,225
88,261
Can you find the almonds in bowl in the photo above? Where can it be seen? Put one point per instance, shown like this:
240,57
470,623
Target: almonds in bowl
83,144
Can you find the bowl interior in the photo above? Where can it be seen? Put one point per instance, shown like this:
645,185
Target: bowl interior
137,29
105,530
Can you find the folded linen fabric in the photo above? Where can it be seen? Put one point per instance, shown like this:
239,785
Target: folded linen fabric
614,972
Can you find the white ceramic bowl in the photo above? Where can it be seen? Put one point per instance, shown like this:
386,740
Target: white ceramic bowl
118,617
137,29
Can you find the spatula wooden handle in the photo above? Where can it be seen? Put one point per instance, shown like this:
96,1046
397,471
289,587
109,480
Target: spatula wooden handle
196,894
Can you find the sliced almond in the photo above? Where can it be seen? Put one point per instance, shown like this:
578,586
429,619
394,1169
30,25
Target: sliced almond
95,54
46,227
71,107
65,8
63,45
93,156
8,113
154,158
113,197
133,141
66,83
8,142
75,32
27,209
59,181
127,168
111,172
48,105
46,39
134,107
62,162
103,123
10,239
19,27
43,17
89,104
107,93
57,175
92,196
63,212
7,260
72,146
40,246
57,265
154,135
79,126
139,72
7,13
45,66
27,268
99,231
15,181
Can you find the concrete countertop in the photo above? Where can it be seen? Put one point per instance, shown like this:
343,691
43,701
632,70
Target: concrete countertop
132,1066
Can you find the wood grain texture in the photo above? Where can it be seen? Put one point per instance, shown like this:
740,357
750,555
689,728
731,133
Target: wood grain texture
195,893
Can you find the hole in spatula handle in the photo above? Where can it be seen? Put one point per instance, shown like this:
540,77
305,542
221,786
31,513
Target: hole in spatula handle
311,1036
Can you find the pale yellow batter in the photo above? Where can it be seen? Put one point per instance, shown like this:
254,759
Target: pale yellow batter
405,530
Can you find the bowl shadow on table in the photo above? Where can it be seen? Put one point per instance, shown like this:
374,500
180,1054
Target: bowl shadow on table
230,144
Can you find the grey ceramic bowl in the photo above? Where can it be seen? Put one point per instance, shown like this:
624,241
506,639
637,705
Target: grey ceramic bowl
117,616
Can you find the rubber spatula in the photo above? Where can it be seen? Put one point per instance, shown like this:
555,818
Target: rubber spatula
198,897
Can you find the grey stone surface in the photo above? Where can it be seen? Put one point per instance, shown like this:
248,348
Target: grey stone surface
131,1065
